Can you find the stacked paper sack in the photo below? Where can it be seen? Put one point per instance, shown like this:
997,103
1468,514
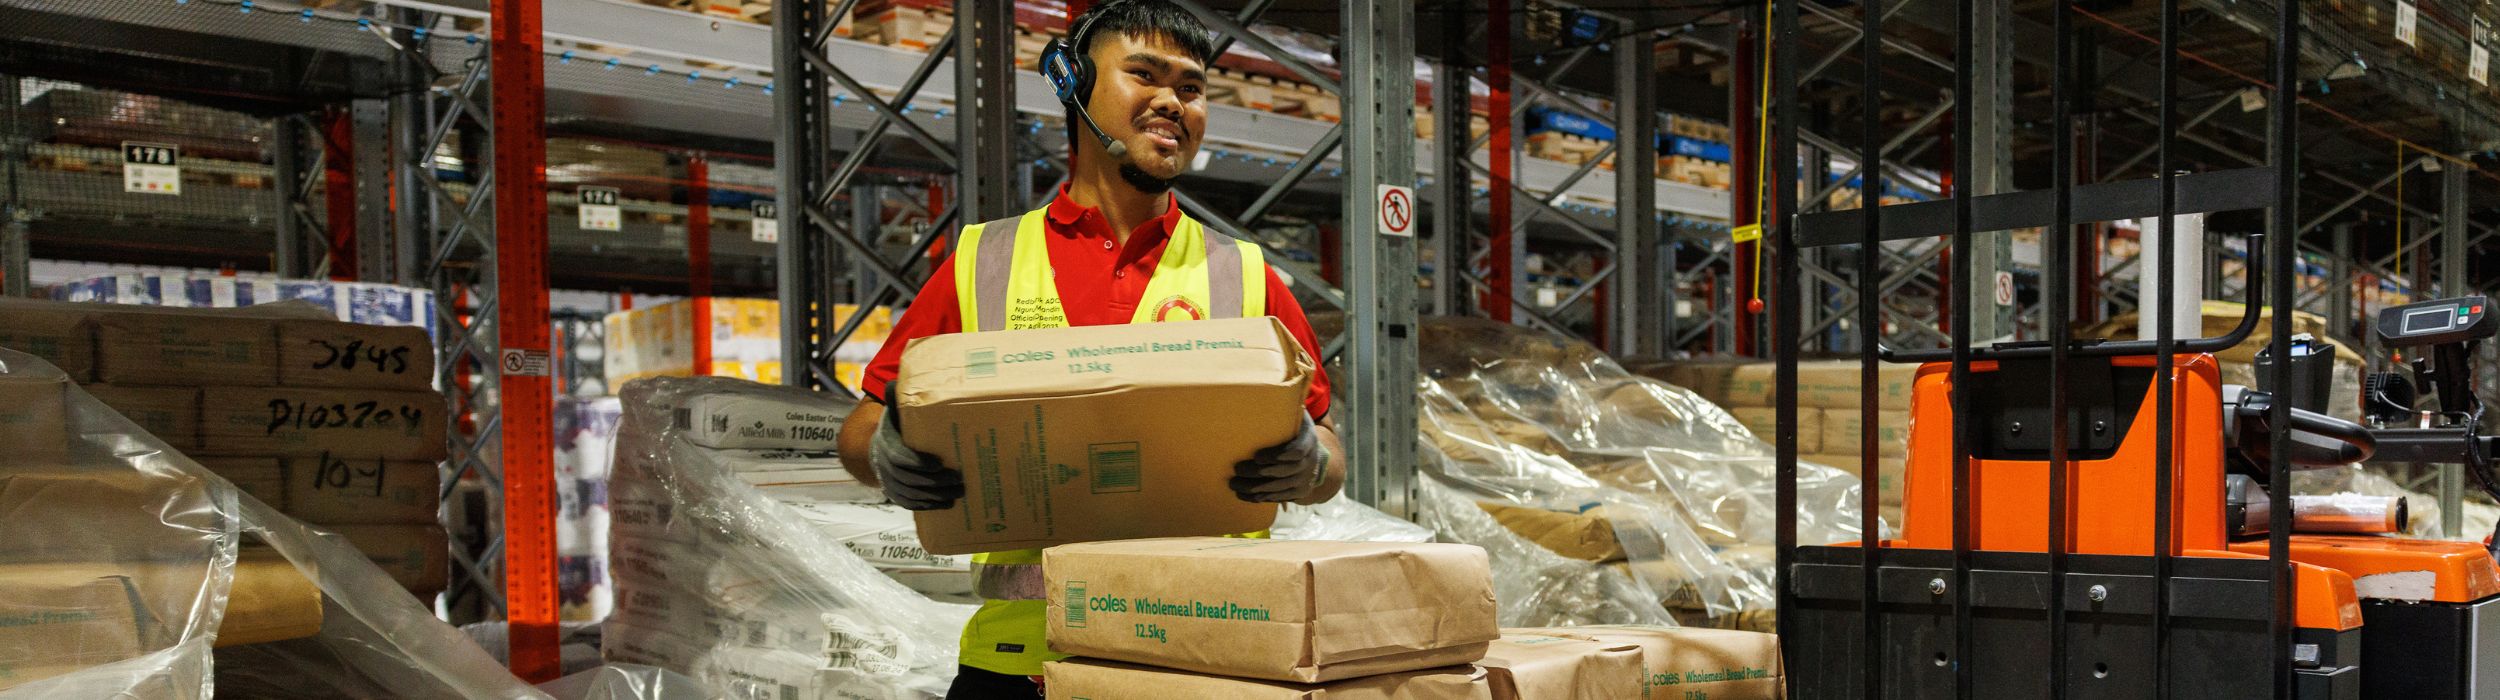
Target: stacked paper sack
1214,617
334,423
1206,617
743,554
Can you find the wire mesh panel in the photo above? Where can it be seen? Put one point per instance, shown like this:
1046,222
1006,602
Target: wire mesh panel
2055,539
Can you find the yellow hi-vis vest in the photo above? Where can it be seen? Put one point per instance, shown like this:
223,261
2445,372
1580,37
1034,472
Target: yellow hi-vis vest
1003,281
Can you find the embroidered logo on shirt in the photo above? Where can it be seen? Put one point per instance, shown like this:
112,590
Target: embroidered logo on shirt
1163,310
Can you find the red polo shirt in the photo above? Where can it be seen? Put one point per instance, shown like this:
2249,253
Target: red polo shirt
1100,283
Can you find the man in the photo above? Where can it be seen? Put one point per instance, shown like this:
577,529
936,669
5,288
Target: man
1112,247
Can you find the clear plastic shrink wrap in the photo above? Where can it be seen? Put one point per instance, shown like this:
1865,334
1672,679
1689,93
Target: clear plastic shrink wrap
1556,446
123,559
724,579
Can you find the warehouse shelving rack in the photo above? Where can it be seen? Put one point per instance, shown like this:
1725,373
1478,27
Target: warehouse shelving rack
625,62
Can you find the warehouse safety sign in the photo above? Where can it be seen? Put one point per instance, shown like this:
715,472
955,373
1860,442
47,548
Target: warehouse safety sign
1397,211
151,168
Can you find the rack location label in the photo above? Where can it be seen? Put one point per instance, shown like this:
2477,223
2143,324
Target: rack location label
766,228
151,168
599,210
1397,211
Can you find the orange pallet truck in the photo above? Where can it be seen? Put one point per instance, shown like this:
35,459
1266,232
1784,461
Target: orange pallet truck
2373,614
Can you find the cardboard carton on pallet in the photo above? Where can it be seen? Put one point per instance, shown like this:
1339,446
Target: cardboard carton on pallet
913,26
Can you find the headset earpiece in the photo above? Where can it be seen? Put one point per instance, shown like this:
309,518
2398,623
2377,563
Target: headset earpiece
1055,66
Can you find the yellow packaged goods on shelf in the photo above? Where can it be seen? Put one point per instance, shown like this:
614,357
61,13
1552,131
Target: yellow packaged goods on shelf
658,341
1093,679
172,414
1696,663
335,354
1301,611
186,349
1526,665
400,425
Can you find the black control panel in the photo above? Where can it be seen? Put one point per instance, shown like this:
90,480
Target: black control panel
2435,322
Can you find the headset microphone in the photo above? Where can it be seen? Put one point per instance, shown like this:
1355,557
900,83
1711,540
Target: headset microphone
1118,151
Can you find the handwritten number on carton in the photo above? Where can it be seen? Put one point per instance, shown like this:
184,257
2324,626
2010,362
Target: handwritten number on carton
383,360
307,415
339,474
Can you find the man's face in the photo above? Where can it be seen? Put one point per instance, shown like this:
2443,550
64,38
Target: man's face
1151,96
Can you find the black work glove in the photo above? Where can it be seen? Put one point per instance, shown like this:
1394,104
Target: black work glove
1283,473
912,479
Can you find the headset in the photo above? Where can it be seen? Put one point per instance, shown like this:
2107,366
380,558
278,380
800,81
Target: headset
1071,74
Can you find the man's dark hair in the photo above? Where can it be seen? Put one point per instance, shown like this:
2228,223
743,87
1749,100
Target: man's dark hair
1150,19
1156,20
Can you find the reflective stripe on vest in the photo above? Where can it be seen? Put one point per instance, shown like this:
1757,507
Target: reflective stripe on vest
1006,266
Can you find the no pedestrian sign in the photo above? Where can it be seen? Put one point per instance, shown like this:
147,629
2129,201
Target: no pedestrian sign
525,363
1397,211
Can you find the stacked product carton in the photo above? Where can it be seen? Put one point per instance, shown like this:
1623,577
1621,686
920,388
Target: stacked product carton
585,446
334,423
745,341
356,302
1213,617
1830,424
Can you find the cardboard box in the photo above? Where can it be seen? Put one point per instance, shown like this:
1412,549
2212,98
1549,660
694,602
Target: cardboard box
761,422
1101,432
172,414
59,336
1693,663
1095,679
416,556
34,416
270,601
1764,422
263,478
57,620
291,422
1279,610
186,349
1708,379
367,490
1827,384
354,355
1526,665
1587,536
1842,429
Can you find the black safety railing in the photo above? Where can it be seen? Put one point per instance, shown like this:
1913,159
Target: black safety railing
1877,621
